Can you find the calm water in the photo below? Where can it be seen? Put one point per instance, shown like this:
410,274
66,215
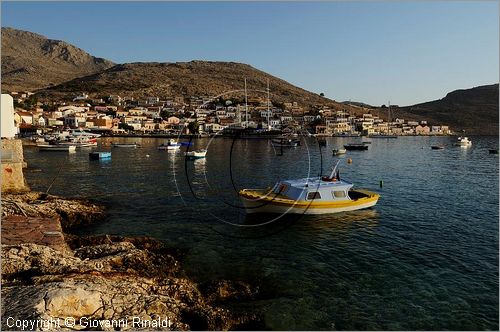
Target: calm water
426,257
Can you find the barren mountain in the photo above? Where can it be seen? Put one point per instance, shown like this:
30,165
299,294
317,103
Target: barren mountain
474,110
31,61
195,78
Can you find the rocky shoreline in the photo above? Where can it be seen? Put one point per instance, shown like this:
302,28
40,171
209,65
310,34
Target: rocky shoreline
102,280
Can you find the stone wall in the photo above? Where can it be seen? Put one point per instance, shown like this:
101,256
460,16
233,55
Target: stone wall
12,166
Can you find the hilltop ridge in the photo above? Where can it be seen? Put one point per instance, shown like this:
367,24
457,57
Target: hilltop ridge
31,61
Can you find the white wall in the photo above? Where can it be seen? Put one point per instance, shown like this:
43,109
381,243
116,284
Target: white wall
9,129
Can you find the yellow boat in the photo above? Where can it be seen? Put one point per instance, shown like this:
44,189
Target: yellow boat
319,195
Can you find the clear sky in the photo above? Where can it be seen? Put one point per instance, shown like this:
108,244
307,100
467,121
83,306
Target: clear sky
405,52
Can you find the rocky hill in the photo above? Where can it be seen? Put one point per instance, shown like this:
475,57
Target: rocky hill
474,110
31,61
194,78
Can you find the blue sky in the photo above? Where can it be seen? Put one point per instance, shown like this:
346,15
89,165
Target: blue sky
405,52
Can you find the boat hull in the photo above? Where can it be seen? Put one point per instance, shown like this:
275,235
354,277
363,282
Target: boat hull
66,148
269,204
125,146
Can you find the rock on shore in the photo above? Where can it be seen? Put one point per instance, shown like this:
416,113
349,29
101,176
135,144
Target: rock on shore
103,278
72,212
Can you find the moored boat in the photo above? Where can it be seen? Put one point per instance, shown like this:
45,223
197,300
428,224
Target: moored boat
125,145
337,152
171,145
96,155
82,133
463,141
56,147
198,154
359,147
319,195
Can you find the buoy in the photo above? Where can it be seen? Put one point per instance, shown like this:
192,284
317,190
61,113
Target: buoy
147,156
381,183
349,161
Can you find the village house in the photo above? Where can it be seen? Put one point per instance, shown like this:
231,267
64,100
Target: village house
422,130
75,120
121,114
173,120
23,117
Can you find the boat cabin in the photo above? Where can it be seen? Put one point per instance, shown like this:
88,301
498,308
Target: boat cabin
317,189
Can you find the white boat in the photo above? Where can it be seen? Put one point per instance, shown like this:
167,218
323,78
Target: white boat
337,152
317,195
80,141
56,147
171,145
198,154
124,145
80,132
463,141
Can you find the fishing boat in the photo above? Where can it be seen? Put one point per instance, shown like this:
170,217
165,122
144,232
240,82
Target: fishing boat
463,141
56,147
337,152
125,145
198,154
79,141
359,147
97,155
437,147
317,195
171,145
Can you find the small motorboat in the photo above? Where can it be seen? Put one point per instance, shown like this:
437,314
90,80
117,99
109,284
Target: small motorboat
437,147
97,155
171,145
359,147
493,151
125,145
198,154
56,147
317,195
463,141
337,152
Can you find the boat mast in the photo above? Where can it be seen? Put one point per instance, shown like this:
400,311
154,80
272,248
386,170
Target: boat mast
246,105
334,169
268,111
389,110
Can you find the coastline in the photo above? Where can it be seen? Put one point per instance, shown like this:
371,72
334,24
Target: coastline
104,278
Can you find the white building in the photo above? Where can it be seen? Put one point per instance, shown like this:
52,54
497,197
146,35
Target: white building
9,129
